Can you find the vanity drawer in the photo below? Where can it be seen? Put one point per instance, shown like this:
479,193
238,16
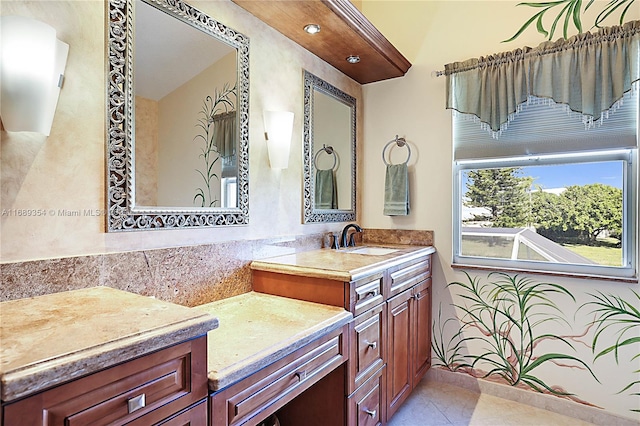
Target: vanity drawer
154,386
193,416
368,333
408,274
261,394
367,293
366,405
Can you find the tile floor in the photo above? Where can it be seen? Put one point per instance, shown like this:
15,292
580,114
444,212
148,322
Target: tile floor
435,403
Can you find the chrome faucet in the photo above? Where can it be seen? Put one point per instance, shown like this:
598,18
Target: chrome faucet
345,233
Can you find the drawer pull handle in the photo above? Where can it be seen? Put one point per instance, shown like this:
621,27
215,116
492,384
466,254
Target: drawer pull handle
372,413
372,345
372,293
301,375
136,403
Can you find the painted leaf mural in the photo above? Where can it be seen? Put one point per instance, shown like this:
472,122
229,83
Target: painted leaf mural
223,101
569,13
619,318
503,320
448,352
504,316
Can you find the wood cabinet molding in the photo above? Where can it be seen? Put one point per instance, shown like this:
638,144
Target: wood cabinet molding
170,380
345,31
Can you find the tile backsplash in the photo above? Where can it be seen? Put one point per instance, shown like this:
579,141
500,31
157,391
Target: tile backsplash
190,275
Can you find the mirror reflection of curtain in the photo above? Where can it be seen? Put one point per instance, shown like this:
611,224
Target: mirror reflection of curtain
224,134
224,138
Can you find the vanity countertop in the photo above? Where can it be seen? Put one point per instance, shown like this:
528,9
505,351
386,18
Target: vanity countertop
258,329
51,339
341,265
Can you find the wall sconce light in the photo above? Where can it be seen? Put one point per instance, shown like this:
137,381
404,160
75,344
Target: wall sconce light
31,74
278,126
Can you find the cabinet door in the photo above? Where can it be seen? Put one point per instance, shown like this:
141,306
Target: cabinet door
421,330
399,365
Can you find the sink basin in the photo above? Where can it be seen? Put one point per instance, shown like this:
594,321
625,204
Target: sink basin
376,251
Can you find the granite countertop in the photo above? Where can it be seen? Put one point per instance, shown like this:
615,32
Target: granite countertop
341,265
51,339
258,329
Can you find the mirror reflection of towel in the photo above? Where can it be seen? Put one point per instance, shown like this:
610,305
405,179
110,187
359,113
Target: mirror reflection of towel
326,191
396,190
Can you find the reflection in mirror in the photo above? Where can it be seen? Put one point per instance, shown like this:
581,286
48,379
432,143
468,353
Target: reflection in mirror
329,152
181,160
185,115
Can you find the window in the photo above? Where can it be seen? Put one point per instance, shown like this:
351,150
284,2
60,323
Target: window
548,195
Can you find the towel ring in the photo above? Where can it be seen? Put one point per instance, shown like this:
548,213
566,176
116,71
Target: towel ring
330,151
400,142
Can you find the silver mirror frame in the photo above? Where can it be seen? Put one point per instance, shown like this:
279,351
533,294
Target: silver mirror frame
122,213
310,213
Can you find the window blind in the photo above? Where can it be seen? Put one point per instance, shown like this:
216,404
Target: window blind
540,128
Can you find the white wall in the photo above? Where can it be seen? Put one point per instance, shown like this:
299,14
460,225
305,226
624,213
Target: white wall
431,34
65,173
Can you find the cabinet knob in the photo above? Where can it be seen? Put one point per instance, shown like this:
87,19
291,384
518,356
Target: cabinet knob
301,375
372,413
372,345
136,403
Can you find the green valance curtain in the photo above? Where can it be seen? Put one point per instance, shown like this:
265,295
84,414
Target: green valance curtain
588,74
224,134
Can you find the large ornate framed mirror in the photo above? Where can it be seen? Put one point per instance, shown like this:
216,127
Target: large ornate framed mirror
329,152
177,118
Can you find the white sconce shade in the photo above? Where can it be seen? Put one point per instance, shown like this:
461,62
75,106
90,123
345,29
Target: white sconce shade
31,72
278,126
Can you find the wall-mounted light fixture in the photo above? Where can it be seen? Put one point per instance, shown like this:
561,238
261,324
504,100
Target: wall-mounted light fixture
31,74
278,126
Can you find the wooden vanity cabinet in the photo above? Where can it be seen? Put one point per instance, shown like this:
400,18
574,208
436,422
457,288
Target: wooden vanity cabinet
390,334
166,387
253,399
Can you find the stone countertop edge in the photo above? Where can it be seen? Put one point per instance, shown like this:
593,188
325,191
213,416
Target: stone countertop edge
241,370
52,372
373,263
222,376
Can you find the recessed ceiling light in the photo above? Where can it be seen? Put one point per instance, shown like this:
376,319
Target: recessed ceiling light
312,28
353,59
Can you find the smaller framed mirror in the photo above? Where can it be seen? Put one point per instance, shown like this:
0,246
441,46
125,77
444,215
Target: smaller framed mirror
329,152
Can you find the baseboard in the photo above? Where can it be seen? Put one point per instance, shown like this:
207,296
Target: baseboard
547,402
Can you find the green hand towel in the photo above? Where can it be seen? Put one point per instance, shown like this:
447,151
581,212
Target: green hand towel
326,192
396,190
